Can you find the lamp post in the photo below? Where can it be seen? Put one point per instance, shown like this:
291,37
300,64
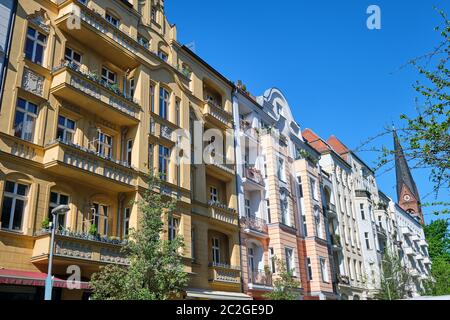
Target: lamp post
49,281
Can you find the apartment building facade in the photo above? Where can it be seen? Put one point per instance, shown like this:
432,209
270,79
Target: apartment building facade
93,100
349,277
280,199
99,94
7,16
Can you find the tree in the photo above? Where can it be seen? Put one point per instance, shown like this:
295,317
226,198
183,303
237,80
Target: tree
284,287
426,135
438,238
156,269
395,279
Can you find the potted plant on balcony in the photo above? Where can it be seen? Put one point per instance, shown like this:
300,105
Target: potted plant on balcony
93,232
45,225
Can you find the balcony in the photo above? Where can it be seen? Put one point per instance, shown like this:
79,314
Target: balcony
254,226
343,280
224,274
216,115
219,169
249,131
426,260
419,257
260,280
254,176
413,272
97,33
381,231
336,242
423,243
89,252
406,231
222,213
331,211
409,251
85,90
162,131
86,166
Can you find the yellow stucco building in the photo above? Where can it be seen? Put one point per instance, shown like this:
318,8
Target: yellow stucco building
94,93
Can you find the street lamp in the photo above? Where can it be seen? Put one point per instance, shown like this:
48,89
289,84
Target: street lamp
49,281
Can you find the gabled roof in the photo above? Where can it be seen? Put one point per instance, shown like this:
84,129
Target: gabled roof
402,171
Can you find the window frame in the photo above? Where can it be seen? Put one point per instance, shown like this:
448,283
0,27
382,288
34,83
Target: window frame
14,196
35,42
65,129
26,114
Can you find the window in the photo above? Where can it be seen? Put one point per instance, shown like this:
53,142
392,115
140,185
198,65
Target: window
177,112
173,227
289,260
58,199
213,194
251,260
269,216
112,20
366,237
164,56
352,240
285,216
35,46
150,157
164,103
309,269
361,271
215,250
104,145
314,189
164,159
272,260
193,247
350,268
300,187
153,14
129,151
25,121
361,208
247,208
108,76
72,56
143,42
14,203
324,270
66,129
100,218
132,88
152,98
280,172
126,222
319,232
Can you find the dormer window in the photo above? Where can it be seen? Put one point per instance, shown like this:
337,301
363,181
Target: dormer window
112,20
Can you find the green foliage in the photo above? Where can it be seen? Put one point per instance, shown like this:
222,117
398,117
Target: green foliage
394,278
438,238
156,269
45,223
284,287
93,230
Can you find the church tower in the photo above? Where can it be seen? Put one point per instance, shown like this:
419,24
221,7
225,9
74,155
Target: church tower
407,193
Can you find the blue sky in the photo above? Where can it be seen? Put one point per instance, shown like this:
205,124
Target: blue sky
339,77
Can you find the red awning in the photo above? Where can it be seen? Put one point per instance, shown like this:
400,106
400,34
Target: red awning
29,278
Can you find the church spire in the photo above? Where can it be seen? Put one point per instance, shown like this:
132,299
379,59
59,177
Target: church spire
407,193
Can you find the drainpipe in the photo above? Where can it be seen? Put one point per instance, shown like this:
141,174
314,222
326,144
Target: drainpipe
7,53
121,199
122,144
238,156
